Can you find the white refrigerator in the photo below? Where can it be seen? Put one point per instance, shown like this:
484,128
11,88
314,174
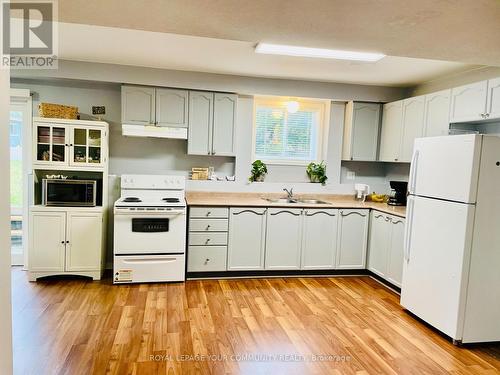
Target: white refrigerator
451,271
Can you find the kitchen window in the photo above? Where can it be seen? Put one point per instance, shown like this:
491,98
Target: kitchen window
288,131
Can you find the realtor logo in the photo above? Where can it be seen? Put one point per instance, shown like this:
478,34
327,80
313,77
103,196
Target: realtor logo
29,34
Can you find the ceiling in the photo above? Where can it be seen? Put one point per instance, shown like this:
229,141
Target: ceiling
192,53
454,30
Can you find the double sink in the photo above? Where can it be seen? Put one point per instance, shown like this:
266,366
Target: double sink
295,201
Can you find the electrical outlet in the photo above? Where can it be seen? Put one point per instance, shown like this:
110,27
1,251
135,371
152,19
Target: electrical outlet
351,175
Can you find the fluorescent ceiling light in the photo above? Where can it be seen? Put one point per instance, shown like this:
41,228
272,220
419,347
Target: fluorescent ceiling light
280,49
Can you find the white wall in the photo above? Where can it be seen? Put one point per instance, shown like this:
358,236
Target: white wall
455,80
5,291
127,154
214,82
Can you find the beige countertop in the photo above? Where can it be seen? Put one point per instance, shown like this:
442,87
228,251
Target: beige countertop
255,200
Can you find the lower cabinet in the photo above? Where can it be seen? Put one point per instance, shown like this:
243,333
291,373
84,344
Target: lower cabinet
283,239
247,238
352,239
319,238
65,242
385,256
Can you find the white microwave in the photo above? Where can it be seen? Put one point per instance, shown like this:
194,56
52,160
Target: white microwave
68,193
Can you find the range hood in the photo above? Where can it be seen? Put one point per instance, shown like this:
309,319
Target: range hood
153,131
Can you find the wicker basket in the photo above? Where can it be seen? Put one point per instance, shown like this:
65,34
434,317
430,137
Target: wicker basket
57,111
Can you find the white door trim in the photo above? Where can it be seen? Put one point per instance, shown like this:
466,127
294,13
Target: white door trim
22,99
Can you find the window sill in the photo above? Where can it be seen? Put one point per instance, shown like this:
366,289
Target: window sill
291,163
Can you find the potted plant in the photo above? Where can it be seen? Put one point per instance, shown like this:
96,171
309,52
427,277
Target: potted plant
258,172
317,172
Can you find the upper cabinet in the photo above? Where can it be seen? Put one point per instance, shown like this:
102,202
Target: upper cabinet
437,113
413,125
493,100
154,112
171,108
223,134
468,103
206,119
392,128
201,109
212,123
138,105
69,143
361,131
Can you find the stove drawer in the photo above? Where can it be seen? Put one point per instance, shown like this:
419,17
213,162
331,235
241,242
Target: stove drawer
207,239
148,268
207,258
208,225
209,212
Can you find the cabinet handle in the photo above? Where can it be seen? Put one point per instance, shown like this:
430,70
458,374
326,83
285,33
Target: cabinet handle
486,115
207,260
377,216
213,152
286,212
62,242
396,159
209,213
67,241
208,227
352,212
319,212
207,241
252,211
397,221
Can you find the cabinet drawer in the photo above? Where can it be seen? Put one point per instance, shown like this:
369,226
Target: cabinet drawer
207,258
209,212
207,239
208,225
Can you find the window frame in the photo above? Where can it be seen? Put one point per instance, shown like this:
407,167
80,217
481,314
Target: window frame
322,131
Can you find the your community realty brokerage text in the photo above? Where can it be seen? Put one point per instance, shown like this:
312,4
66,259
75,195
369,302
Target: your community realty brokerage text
250,357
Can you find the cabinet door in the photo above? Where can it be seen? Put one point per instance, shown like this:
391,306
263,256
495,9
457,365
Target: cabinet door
283,238
378,246
47,241
437,114
51,144
172,108
468,103
413,125
365,131
247,238
223,137
352,239
84,241
87,146
493,106
138,105
395,260
392,128
200,122
319,242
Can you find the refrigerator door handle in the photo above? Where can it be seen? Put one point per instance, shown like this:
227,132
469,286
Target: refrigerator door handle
409,222
413,171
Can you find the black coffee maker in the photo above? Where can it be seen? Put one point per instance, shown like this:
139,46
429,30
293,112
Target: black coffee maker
397,196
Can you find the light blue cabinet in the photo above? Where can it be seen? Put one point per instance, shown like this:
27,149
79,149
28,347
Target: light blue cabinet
247,238
283,238
138,105
352,239
171,108
361,131
319,238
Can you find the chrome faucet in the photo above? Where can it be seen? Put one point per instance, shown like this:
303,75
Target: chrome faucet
289,193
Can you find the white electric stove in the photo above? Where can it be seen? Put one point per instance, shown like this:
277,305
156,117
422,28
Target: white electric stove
150,229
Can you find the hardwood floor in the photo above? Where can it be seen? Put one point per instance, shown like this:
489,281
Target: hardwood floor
75,326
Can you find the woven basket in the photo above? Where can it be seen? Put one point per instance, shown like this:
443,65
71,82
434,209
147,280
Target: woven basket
57,111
